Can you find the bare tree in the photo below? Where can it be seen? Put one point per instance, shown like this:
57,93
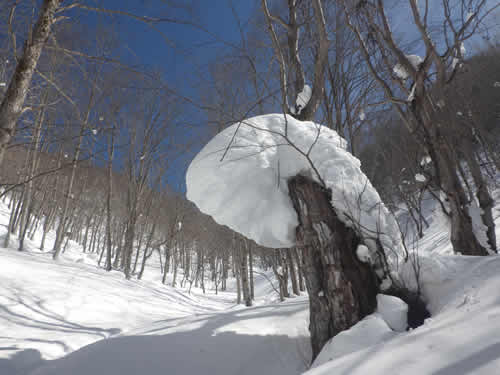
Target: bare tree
406,80
13,101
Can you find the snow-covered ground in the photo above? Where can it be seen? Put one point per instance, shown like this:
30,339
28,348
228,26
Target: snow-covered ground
70,317
51,309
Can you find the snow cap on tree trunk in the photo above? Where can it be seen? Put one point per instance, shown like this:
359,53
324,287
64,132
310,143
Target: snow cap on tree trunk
240,179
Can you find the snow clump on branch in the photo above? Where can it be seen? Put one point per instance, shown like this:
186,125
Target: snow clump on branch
240,179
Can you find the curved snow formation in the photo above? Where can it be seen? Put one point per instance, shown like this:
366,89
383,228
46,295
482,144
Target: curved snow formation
240,179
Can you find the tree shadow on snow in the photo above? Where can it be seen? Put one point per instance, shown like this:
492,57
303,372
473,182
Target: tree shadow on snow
26,310
206,348
470,364
20,363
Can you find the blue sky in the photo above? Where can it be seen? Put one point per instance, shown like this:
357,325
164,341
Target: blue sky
186,52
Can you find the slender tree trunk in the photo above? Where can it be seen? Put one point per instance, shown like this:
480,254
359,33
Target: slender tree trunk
236,269
118,252
12,104
108,200
29,186
148,246
175,265
300,273
292,272
244,273
61,228
250,267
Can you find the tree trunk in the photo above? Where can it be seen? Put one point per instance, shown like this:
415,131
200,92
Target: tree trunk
300,274
108,199
244,273
293,273
250,268
12,104
29,186
342,290
486,202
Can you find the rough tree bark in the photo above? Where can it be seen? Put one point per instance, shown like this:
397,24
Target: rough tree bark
12,104
342,290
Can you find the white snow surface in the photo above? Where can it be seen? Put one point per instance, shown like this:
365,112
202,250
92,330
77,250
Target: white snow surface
394,311
50,309
247,190
370,331
478,227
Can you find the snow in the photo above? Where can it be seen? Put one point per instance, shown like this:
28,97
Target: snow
94,131
362,115
420,177
363,254
267,340
411,95
394,312
370,331
425,160
3,84
303,98
70,317
50,311
415,61
385,284
479,228
459,339
400,70
247,190
463,50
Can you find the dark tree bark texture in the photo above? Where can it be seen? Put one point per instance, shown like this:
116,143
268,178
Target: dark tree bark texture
342,290
11,106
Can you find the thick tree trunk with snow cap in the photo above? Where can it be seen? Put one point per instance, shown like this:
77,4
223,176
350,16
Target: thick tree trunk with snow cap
342,290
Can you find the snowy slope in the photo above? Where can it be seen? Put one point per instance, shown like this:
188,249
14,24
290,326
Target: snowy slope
51,309
460,338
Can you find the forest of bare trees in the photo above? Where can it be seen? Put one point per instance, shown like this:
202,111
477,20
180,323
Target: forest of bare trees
89,142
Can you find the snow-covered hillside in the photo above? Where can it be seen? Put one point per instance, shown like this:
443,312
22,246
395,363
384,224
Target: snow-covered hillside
50,311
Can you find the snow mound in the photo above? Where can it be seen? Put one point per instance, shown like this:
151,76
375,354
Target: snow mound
394,311
240,179
370,331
